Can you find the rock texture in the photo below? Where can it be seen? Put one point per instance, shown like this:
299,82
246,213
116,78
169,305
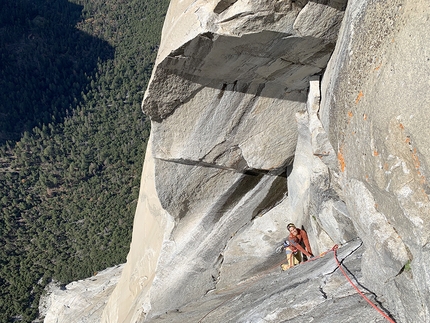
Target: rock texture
268,112
81,301
223,99
376,109
312,292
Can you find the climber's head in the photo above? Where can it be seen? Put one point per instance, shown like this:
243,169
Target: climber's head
292,228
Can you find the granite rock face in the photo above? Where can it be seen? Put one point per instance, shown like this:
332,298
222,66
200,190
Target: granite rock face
222,100
311,292
80,301
269,112
376,109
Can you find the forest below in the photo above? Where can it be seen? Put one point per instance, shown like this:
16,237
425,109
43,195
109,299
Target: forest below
72,139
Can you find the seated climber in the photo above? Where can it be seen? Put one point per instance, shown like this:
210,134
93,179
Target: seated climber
296,245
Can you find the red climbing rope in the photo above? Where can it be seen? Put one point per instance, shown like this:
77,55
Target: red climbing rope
335,247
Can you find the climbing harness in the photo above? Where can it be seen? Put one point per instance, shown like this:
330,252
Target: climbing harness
335,247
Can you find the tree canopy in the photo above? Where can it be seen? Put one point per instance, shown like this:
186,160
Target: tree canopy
72,138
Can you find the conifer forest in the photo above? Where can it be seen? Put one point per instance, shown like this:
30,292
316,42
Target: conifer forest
72,139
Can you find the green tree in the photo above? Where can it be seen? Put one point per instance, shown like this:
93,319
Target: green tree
69,176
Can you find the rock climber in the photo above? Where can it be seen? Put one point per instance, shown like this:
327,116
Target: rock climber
296,246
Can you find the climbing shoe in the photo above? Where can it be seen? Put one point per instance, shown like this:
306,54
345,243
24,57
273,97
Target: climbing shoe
284,267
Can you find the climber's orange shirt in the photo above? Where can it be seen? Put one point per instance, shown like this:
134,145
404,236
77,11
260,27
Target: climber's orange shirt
300,239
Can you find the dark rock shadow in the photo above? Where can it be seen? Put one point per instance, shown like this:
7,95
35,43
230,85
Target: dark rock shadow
46,62
267,64
337,4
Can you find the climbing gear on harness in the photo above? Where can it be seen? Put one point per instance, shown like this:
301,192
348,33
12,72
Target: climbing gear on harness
282,247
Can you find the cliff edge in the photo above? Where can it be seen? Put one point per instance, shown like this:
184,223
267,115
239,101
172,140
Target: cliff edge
238,135
263,113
